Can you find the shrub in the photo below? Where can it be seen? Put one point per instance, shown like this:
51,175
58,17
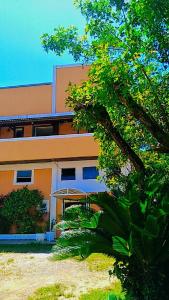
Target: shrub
21,208
4,223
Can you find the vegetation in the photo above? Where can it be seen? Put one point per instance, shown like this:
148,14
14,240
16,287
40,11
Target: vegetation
103,294
4,224
21,208
125,103
52,292
58,291
134,231
99,262
26,248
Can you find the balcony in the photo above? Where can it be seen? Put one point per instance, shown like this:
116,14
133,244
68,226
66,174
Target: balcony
58,147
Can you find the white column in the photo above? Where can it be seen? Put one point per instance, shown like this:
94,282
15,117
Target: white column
53,199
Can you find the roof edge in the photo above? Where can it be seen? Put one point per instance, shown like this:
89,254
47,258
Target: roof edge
25,85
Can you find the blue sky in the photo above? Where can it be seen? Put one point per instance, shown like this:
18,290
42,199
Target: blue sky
22,22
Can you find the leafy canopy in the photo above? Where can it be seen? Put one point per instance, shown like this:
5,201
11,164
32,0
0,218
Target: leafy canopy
124,101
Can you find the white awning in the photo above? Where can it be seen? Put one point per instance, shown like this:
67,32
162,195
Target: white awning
63,193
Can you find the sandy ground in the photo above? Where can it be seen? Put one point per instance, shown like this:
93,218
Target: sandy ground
22,274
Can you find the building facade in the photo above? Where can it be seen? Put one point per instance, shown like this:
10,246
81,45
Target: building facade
39,147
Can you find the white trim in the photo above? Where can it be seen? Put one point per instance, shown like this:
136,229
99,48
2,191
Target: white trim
23,183
49,137
71,65
54,91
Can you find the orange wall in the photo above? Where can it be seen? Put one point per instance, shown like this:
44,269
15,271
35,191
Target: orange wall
48,148
67,128
42,182
28,131
64,75
26,100
6,133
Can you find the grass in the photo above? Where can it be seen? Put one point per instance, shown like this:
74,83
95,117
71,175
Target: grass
10,261
52,292
26,248
100,262
103,294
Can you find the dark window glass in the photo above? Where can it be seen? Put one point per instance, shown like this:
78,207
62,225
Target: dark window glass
90,173
24,176
43,130
68,174
19,132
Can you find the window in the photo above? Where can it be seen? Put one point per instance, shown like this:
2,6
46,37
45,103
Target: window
90,173
24,176
19,132
68,174
43,130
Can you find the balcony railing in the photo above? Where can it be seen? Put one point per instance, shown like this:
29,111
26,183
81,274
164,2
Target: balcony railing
56,147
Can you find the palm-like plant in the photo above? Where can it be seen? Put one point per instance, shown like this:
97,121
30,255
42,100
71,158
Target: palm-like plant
135,231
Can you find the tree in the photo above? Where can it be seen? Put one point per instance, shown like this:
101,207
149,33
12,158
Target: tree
125,100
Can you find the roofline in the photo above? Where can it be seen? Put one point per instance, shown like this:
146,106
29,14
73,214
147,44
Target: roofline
36,116
71,65
25,85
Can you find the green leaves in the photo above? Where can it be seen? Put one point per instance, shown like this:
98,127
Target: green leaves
21,208
93,222
121,246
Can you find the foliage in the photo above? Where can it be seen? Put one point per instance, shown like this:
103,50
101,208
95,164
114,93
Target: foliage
4,224
75,239
134,231
125,99
21,208
52,292
103,294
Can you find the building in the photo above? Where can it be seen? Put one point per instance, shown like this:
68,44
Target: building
40,148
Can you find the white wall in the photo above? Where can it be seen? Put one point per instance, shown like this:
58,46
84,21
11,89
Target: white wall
86,185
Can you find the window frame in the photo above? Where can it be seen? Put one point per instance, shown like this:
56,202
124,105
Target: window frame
22,127
67,179
23,183
42,125
87,167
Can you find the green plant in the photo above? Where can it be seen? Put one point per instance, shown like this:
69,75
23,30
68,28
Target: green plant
134,230
4,222
103,294
21,207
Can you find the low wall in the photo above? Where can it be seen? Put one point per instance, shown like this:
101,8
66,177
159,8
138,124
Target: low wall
34,236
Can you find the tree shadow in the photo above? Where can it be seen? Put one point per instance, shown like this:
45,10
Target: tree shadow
26,247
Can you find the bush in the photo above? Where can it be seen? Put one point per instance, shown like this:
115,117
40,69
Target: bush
4,223
21,207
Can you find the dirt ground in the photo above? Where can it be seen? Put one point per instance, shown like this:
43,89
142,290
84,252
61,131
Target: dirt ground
21,274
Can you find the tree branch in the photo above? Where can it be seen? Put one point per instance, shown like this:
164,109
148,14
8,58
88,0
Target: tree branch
102,117
147,120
